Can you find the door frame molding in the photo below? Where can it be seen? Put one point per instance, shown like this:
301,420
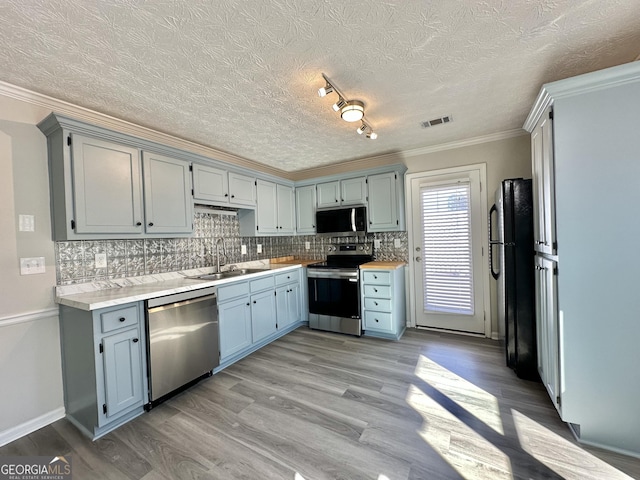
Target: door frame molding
482,170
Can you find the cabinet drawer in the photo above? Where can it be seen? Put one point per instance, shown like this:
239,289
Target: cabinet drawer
288,277
378,291
227,292
261,283
377,321
377,277
377,304
115,319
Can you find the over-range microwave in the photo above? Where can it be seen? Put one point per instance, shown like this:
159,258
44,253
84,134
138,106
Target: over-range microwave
342,221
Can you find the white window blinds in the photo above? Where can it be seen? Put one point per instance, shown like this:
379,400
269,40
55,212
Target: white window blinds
446,224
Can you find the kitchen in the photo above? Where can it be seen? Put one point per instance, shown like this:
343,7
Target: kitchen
32,365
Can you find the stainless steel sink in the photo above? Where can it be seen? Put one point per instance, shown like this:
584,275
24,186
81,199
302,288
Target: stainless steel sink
228,274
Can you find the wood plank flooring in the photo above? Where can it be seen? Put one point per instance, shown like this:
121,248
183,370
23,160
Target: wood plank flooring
316,405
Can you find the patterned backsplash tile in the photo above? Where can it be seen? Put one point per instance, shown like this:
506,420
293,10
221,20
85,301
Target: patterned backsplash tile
75,261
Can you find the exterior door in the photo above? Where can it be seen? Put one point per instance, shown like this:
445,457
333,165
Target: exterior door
448,250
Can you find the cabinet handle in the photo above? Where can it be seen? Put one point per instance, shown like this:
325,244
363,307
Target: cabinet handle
151,224
138,224
122,319
135,340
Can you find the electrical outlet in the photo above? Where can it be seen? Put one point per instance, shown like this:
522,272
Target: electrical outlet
307,245
32,265
26,223
259,248
101,260
397,243
243,249
376,243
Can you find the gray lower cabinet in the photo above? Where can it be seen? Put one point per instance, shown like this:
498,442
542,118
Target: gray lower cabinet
255,312
104,365
383,302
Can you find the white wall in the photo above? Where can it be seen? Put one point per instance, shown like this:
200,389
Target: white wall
30,364
507,158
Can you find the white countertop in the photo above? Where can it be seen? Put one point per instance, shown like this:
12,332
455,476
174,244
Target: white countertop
135,289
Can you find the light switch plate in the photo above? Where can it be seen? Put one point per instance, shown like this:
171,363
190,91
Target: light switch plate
101,260
26,223
376,243
397,243
32,265
243,249
259,248
307,245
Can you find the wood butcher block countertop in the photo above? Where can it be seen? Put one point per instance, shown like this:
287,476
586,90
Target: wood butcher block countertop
293,261
383,265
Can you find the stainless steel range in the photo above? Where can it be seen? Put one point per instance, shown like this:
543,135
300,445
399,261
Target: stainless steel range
334,289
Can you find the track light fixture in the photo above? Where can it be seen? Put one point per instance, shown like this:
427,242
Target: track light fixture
350,110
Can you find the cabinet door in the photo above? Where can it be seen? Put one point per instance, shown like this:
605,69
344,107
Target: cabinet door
383,202
122,365
210,184
542,156
328,194
306,209
282,306
548,332
353,191
263,315
286,206
242,190
107,188
168,204
294,304
267,207
234,318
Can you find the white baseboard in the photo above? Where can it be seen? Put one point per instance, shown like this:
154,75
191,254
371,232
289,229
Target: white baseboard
495,336
32,425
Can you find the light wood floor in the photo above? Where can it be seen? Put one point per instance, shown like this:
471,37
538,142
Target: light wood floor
316,405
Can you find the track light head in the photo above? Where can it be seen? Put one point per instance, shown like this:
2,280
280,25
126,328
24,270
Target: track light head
362,128
338,105
372,135
324,91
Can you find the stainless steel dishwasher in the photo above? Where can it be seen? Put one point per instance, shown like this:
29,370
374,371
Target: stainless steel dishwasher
183,340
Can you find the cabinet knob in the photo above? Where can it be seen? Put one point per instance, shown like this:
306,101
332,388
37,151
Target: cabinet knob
376,303
122,319
375,276
375,290
135,340
233,196
336,199
151,224
138,224
377,320
249,303
254,301
226,194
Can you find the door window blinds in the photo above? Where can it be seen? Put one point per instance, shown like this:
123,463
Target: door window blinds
447,264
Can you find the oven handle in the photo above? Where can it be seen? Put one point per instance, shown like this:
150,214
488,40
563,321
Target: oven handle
332,274
353,279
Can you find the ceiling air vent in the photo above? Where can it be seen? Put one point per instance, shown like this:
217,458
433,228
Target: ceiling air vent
437,121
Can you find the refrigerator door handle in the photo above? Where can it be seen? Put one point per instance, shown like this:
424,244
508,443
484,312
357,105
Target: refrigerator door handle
492,242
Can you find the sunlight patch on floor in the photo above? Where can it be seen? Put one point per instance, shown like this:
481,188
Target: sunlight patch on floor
565,457
472,398
452,446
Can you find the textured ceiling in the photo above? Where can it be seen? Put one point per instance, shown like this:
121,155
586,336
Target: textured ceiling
242,76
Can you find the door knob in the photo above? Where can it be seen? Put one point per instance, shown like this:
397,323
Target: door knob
418,259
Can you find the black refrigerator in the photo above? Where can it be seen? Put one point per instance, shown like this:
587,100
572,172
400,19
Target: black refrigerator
512,265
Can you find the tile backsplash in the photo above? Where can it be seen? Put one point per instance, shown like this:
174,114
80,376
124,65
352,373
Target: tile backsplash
75,261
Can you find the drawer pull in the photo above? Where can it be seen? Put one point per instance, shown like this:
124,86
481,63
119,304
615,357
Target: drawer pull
122,319
375,290
375,276
376,303
135,340
377,320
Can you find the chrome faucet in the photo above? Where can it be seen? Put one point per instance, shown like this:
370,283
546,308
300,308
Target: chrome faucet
224,251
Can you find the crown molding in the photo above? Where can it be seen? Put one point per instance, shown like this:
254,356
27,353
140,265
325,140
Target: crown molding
492,137
129,128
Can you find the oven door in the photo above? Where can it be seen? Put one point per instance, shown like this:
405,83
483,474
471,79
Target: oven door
334,293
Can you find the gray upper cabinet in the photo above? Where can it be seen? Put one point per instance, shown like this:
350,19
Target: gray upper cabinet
385,203
328,194
544,222
306,209
351,191
274,214
107,187
219,187
167,195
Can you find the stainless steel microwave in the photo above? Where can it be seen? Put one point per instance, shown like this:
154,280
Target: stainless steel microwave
342,221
